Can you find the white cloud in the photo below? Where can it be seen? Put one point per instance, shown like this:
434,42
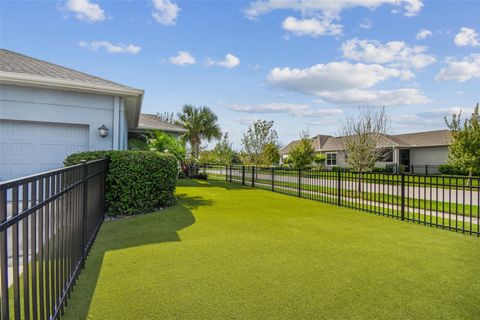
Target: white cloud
274,107
312,27
85,10
165,12
467,37
230,61
392,53
405,96
365,23
461,70
346,83
109,47
423,34
328,8
333,76
432,118
182,58
297,110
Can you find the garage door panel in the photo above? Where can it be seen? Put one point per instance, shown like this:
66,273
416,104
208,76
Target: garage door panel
32,147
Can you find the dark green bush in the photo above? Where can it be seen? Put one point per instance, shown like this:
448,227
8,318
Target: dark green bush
451,170
137,181
201,176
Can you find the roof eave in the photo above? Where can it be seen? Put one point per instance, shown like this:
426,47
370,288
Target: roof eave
63,84
144,129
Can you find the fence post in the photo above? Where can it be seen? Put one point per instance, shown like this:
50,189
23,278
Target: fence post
4,261
299,183
230,173
253,176
243,175
84,209
273,178
426,169
339,186
402,209
226,172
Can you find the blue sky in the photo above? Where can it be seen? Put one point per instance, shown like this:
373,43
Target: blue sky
303,64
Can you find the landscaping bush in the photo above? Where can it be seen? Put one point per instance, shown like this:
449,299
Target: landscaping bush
452,170
201,176
137,181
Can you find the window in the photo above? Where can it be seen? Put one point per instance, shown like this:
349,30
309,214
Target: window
331,159
386,156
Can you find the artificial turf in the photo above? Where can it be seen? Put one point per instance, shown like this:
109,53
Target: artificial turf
231,252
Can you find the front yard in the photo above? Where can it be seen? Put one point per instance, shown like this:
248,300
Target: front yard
225,251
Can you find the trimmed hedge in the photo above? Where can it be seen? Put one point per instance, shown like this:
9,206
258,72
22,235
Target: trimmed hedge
137,181
451,170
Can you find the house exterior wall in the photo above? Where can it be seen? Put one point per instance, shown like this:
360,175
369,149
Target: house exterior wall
428,156
54,106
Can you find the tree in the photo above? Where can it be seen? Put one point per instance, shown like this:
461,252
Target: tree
201,124
464,152
319,159
163,142
166,116
207,156
363,138
302,153
270,154
259,134
223,152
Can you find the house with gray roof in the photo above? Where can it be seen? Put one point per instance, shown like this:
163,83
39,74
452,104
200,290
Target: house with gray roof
410,150
49,111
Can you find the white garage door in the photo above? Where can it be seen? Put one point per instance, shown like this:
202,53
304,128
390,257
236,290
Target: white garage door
31,147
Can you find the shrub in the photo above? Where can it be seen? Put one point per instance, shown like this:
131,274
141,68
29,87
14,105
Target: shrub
338,168
453,170
137,181
201,176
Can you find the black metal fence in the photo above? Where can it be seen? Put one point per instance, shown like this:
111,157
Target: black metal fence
48,223
448,202
427,169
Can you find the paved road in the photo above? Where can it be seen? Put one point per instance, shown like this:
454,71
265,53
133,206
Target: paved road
460,195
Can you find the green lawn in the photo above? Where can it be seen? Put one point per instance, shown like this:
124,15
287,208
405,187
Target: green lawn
229,252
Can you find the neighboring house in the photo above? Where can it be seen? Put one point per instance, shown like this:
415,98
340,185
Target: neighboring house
407,150
48,112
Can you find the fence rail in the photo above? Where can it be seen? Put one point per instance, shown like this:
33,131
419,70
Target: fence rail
47,225
447,202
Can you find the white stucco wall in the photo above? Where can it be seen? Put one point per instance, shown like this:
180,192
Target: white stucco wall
54,106
428,156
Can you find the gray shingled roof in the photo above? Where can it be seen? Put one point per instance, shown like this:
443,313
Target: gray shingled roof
13,62
409,140
428,138
152,122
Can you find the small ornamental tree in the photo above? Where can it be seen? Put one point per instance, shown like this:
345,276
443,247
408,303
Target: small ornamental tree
223,152
259,134
363,138
319,159
270,154
302,154
464,152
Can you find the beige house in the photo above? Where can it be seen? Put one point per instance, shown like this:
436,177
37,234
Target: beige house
413,151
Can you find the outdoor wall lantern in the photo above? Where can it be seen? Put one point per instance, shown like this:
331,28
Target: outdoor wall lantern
103,131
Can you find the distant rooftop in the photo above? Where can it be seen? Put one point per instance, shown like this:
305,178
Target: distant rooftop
407,140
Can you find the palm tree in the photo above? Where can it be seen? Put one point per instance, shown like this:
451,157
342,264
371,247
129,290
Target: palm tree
201,124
